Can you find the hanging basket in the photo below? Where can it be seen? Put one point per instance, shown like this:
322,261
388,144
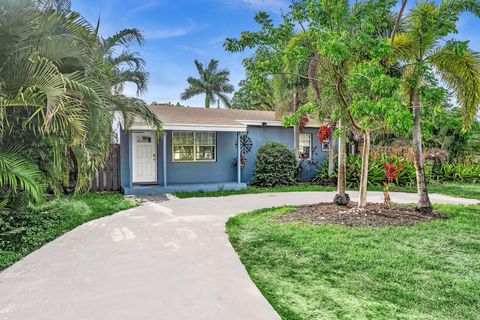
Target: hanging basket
323,133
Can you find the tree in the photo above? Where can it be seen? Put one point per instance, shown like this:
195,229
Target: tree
212,82
422,54
60,85
334,38
20,180
250,96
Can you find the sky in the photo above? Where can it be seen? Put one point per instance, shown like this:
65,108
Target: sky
179,31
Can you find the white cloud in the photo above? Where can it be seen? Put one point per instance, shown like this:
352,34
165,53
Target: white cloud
156,32
266,4
146,5
274,6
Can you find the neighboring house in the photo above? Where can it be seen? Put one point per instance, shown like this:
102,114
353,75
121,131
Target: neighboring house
200,149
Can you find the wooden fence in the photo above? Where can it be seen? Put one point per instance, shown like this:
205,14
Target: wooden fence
108,178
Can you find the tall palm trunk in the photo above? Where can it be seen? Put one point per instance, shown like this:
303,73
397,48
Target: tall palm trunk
207,101
331,153
342,198
362,201
423,204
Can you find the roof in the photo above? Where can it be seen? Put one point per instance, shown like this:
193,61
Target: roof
176,118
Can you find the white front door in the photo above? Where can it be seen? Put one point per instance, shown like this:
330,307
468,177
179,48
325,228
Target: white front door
144,157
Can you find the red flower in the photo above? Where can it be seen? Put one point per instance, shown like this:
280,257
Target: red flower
323,133
391,171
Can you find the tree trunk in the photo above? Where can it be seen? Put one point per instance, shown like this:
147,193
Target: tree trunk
207,101
362,199
296,128
296,136
423,204
342,198
331,153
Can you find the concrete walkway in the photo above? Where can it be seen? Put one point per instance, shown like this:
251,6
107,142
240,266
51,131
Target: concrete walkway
168,260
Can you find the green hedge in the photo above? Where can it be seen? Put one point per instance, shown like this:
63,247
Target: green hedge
447,172
276,165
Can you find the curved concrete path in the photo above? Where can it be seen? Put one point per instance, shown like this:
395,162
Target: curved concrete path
169,260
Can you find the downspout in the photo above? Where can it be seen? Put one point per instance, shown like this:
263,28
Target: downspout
239,161
164,155
130,159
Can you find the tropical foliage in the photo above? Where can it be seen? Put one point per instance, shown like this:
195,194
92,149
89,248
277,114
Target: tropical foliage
369,69
61,86
275,165
20,179
250,96
455,171
213,82
419,54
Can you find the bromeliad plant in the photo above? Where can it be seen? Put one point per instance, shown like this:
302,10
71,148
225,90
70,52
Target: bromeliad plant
391,172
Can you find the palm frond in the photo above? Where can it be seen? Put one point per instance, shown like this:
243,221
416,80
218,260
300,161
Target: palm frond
404,48
132,59
224,99
461,72
17,174
138,77
124,37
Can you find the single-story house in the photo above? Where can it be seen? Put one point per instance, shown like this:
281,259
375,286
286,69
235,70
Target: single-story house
206,149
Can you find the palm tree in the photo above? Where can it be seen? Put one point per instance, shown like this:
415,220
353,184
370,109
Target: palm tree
62,82
422,53
214,83
20,179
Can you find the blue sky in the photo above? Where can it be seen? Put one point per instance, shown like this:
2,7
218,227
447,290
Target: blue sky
177,32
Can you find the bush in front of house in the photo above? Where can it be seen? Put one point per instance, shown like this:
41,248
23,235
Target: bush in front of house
275,165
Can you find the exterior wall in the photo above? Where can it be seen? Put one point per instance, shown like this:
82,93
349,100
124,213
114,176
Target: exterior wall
124,158
221,170
262,135
224,168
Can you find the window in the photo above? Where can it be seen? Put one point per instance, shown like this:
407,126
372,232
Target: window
305,146
144,139
326,146
193,146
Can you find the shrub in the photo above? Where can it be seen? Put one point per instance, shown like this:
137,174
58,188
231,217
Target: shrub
464,172
275,165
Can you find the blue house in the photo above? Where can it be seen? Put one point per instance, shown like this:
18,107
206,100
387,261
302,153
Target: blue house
207,149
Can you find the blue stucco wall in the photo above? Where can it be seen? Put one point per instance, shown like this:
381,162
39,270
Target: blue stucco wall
124,158
262,135
224,168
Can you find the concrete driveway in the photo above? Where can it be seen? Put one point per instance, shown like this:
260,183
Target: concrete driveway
168,260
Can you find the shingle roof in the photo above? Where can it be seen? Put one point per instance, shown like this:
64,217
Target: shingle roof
169,114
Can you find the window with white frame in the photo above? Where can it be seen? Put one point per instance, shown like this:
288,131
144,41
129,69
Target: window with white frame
193,146
305,146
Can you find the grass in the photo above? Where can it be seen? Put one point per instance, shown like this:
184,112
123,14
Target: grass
471,191
428,271
251,189
22,232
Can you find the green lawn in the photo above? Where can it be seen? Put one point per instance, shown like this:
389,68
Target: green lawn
453,189
249,190
25,231
428,271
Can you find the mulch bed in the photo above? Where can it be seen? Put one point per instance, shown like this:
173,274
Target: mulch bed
375,215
